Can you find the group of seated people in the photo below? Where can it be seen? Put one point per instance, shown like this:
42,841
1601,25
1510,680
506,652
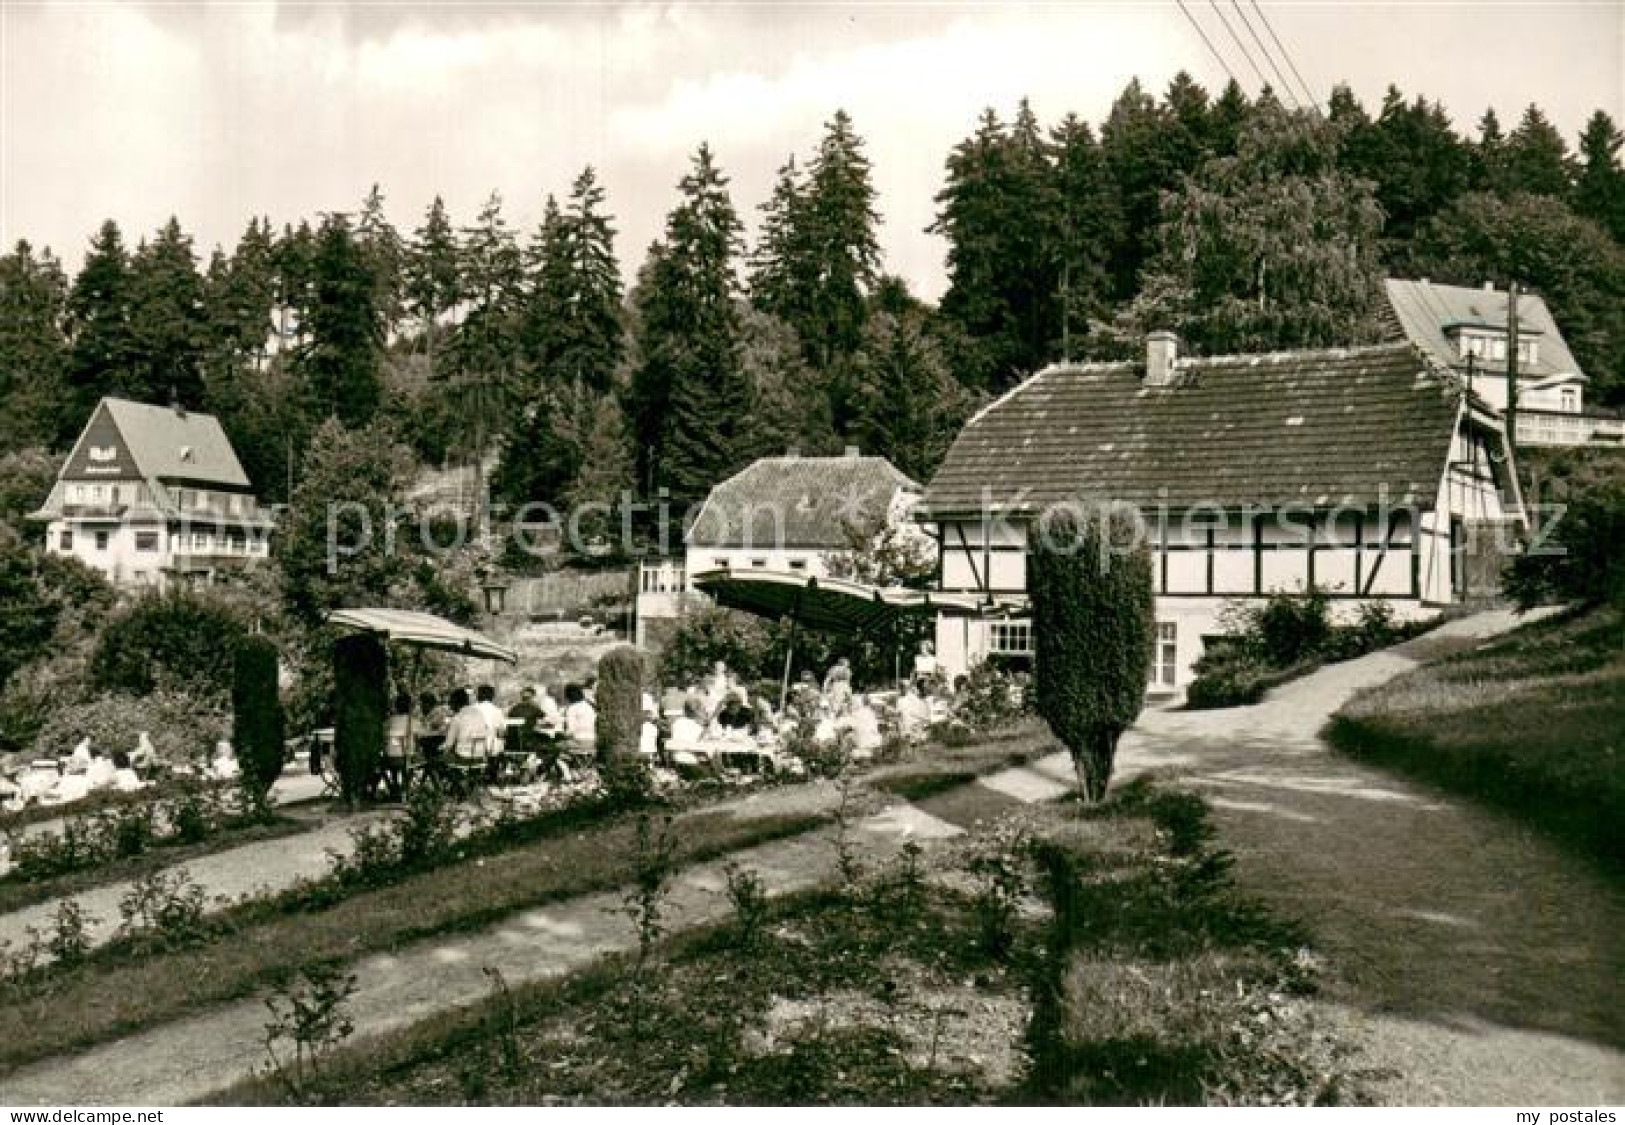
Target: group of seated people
91,769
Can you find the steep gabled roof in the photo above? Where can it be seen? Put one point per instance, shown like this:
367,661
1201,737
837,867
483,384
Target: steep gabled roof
172,444
1321,428
813,500
1424,312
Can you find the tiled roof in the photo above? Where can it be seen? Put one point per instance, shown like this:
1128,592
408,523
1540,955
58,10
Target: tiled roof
812,498
1319,428
171,444
1423,310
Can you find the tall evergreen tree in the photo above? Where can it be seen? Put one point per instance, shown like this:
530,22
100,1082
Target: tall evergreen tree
572,322
168,321
783,270
1537,157
242,295
339,361
1084,230
1226,119
385,252
688,386
998,211
842,221
432,276
483,359
1599,190
1418,162
1490,171
101,343
33,348
296,284
1134,140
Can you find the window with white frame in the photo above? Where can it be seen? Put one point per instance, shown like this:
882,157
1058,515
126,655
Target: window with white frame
1570,399
798,564
1010,638
1166,664
146,540
64,541
101,540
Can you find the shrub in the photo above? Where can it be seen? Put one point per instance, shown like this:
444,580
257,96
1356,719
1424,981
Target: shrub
307,1022
183,728
1291,627
619,703
1093,625
182,639
163,908
708,635
1583,562
69,941
360,710
257,729
628,782
990,698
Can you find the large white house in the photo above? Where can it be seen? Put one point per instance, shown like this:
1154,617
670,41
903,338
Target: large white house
1361,471
152,495
784,515
1466,329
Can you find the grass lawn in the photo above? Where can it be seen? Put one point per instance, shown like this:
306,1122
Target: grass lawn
122,987
1533,722
941,767
1116,965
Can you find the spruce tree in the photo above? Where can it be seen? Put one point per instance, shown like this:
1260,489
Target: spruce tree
483,359
339,360
907,407
432,277
1085,225
1599,190
33,348
841,237
98,319
688,389
385,253
1537,157
168,325
783,272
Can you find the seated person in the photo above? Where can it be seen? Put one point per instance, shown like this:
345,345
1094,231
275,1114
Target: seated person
914,712
224,766
735,716
397,739
649,740
926,664
468,734
485,697
671,702
527,710
864,724
79,760
432,714
145,755
686,730
838,687
101,771
580,718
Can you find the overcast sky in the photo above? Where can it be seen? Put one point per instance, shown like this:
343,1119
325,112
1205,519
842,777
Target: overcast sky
216,112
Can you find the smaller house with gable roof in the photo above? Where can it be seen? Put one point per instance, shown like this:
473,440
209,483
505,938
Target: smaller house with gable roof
153,495
787,514
1363,472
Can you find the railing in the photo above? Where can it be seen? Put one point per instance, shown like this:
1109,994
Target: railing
1555,427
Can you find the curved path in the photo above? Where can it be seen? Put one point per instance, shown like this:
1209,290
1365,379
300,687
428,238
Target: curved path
1475,961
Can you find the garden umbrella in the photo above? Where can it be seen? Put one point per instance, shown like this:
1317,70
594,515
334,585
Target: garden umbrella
416,629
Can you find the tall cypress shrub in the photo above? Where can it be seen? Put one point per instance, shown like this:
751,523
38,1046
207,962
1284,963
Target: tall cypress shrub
1089,575
619,703
360,710
257,727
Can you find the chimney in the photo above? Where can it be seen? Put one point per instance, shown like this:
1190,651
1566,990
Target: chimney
1161,358
852,451
793,451
1489,287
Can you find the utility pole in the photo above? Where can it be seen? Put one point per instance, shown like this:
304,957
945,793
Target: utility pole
1512,366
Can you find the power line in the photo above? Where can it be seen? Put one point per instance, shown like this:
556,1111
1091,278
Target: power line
1218,11
1205,39
1287,55
1269,56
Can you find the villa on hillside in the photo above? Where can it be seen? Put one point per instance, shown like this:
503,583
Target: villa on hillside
779,515
1466,329
1366,472
153,495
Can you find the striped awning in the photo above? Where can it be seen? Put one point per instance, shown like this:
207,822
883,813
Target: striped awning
422,630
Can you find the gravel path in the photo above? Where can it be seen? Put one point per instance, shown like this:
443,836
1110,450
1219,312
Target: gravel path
1475,961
